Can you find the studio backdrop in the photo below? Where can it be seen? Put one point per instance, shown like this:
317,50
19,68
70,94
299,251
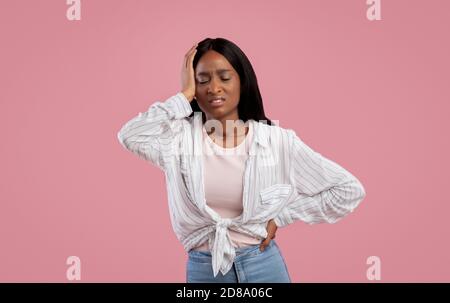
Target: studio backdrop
364,83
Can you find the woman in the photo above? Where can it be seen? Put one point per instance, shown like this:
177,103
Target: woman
233,177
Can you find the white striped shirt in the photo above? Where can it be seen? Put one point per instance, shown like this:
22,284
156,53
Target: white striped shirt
284,179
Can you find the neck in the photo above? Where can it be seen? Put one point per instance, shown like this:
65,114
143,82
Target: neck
235,129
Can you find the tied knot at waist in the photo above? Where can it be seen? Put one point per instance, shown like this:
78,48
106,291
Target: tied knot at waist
224,223
222,252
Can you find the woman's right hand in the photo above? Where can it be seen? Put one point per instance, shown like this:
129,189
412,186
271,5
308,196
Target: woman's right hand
187,74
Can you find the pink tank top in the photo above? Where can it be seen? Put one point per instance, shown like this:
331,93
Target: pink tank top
223,171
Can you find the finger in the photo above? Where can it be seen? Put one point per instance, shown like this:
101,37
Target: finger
271,234
190,56
192,47
262,247
187,55
191,59
264,244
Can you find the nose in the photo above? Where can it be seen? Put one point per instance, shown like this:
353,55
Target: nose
214,86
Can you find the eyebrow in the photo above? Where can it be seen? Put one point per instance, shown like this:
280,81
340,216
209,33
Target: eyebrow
218,71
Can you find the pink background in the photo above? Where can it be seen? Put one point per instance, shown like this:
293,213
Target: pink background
371,95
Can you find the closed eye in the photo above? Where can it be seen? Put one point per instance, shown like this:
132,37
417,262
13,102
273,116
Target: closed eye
207,81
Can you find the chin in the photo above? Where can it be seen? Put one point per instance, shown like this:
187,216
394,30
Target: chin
218,113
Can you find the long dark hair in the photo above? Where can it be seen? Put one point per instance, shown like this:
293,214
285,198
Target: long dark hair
250,102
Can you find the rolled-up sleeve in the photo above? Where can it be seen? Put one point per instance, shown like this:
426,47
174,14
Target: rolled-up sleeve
325,191
150,135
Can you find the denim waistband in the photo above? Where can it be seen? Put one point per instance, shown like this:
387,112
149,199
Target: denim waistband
239,250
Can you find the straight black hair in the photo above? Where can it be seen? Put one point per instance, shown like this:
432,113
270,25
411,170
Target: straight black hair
250,102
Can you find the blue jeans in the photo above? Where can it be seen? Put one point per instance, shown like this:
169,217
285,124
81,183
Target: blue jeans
251,265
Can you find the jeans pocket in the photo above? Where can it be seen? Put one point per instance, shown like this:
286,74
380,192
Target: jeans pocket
256,251
200,257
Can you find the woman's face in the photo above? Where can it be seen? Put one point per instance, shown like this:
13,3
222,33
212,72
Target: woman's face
215,77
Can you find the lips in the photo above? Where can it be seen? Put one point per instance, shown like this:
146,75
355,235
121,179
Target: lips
216,101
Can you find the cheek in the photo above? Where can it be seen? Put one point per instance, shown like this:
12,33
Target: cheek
238,92
199,89
234,89
237,89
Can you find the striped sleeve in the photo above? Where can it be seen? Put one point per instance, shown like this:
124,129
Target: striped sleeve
326,192
149,135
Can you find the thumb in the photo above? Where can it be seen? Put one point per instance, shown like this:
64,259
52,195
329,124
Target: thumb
264,243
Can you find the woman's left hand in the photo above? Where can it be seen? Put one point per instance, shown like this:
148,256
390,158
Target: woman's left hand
271,229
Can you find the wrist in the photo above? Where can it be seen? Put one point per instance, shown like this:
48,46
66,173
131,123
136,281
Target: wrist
188,96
